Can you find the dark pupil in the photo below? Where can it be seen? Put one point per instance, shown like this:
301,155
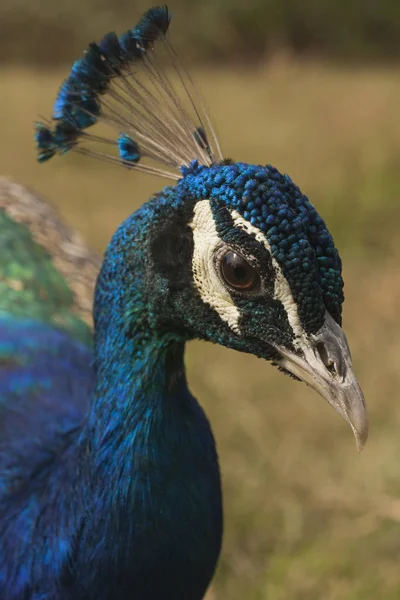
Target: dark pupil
237,272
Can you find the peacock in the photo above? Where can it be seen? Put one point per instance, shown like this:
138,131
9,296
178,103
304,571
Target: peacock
109,477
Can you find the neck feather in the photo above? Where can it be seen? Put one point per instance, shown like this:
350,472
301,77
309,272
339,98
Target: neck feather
140,376
148,460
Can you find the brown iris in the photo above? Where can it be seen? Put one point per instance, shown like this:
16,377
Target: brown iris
237,272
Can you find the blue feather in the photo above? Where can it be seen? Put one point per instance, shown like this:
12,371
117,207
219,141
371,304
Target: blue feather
76,104
153,25
128,149
63,99
61,140
102,87
45,142
110,48
92,70
79,486
65,136
131,46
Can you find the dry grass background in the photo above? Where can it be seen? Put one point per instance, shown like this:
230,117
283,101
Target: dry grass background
306,517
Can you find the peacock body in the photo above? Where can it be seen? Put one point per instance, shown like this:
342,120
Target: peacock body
109,478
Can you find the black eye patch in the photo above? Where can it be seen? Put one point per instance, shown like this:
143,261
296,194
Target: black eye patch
172,252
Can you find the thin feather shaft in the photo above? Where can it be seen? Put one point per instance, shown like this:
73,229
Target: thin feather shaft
138,167
179,67
170,124
187,126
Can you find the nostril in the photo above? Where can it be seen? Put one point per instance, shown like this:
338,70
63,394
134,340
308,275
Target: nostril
324,355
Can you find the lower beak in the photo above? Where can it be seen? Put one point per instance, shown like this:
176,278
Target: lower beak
324,363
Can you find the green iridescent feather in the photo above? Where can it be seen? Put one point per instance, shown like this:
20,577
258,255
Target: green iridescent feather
46,271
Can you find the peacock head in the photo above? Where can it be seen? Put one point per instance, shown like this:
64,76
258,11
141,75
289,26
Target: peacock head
238,254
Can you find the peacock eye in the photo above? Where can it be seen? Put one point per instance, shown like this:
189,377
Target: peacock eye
238,273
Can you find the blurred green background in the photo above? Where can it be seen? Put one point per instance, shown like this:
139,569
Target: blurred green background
313,87
45,31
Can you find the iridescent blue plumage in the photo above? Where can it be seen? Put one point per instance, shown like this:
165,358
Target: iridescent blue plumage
105,86
76,105
153,25
77,101
91,490
130,46
298,236
128,149
109,478
111,49
92,71
65,136
45,142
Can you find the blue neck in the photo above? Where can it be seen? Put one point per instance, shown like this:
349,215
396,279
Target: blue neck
135,386
139,369
149,456
140,376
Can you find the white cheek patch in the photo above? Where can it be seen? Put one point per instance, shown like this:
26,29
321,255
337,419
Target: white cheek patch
282,291
206,280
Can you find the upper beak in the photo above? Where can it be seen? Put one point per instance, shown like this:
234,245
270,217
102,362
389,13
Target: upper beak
325,365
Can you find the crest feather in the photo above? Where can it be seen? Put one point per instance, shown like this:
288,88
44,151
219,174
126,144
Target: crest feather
152,121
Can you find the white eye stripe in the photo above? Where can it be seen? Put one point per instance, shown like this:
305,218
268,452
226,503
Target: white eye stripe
208,284
206,280
282,291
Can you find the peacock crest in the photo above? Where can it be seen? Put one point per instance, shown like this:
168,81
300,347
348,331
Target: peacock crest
155,118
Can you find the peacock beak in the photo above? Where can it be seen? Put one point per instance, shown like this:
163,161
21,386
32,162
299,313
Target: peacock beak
324,363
